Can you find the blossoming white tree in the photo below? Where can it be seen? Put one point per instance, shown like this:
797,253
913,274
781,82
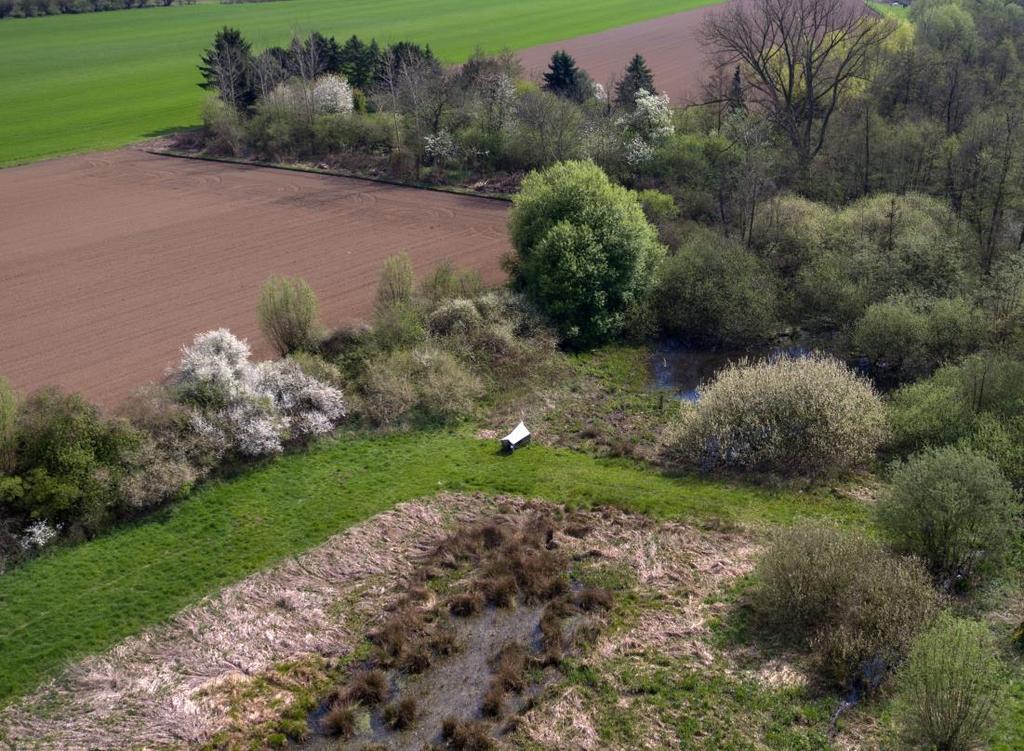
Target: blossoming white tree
38,535
440,147
251,408
651,118
332,94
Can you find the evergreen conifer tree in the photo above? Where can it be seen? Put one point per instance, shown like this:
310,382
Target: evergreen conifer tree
227,69
638,76
564,78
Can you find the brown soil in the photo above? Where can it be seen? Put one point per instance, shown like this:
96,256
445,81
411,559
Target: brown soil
110,262
669,44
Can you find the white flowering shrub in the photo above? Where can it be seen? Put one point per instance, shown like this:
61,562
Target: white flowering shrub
254,428
38,535
212,436
250,408
440,147
638,152
157,476
332,95
599,93
500,101
311,407
214,369
651,119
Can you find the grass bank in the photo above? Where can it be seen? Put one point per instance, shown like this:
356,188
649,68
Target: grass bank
84,599
101,80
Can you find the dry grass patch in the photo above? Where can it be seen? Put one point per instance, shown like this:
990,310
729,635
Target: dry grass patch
226,671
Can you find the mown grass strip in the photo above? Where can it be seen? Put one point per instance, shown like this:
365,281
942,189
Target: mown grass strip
83,599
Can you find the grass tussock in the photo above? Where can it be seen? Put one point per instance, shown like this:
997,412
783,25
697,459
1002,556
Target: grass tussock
340,721
369,687
466,735
400,715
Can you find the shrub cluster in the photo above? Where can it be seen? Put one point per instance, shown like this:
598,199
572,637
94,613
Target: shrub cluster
952,689
289,315
68,470
952,508
412,117
856,607
807,416
976,404
910,336
436,349
713,291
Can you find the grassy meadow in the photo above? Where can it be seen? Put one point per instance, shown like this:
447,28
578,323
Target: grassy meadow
888,9
83,599
101,80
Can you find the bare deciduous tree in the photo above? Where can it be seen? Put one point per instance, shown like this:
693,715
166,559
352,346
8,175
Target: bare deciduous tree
799,58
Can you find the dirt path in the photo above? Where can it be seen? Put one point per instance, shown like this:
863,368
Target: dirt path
110,262
670,46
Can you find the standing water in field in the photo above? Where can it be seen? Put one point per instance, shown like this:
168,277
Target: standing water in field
683,370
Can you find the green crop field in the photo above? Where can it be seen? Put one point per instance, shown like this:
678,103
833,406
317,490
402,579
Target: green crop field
888,9
101,80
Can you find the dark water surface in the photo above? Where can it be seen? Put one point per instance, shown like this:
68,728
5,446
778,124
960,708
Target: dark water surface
682,370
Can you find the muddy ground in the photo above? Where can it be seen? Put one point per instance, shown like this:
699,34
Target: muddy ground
215,668
110,262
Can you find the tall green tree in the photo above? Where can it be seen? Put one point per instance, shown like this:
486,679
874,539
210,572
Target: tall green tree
359,62
227,68
564,77
586,254
638,76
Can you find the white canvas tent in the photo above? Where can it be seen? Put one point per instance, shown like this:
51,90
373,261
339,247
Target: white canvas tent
519,436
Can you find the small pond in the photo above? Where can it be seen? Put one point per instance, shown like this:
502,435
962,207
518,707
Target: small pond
681,370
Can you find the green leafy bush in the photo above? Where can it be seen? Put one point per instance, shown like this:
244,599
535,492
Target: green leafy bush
398,326
856,607
397,280
447,282
932,412
978,404
224,127
879,247
315,366
586,253
455,318
714,291
425,385
69,460
289,315
908,335
809,416
952,689
788,231
953,509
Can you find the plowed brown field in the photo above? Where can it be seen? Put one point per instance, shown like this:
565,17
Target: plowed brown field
110,262
669,44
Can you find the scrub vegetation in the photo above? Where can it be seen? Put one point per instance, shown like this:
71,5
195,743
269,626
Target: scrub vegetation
820,545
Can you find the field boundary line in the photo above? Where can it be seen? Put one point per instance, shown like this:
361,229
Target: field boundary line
451,190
